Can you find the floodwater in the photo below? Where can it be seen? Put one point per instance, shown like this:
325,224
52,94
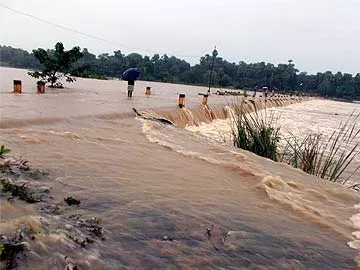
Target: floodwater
149,182
317,116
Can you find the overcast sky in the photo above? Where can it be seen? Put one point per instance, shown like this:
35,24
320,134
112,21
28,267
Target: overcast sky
318,35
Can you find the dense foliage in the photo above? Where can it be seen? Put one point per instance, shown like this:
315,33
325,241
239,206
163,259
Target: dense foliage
284,77
11,57
56,64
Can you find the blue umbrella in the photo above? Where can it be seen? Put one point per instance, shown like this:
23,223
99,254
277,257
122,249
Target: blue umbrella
131,74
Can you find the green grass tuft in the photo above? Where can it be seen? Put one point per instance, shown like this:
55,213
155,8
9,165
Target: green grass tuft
325,158
255,132
4,151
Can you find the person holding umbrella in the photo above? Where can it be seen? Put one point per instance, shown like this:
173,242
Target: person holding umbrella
131,75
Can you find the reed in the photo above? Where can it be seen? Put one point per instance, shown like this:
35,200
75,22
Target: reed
328,158
255,132
325,158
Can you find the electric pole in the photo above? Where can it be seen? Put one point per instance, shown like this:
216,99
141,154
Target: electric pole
214,54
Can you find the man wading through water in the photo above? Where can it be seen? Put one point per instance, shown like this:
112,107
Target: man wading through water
131,75
130,88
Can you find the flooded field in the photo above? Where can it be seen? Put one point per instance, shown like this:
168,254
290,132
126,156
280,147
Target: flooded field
167,197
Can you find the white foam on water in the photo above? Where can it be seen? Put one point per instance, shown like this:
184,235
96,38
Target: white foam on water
355,219
218,130
307,202
197,146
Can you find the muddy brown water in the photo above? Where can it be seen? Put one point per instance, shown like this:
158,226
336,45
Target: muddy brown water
150,182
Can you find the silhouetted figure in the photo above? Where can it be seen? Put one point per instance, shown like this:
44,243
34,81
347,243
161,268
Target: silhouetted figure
131,75
130,88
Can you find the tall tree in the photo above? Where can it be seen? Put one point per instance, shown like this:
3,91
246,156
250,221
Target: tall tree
56,64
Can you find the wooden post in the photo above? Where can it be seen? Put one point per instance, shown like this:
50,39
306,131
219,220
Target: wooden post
148,91
17,87
182,100
41,87
205,99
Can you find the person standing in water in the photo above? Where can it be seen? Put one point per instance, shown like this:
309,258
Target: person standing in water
131,75
131,85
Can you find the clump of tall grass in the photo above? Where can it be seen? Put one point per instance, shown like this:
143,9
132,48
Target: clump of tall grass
325,158
255,132
328,158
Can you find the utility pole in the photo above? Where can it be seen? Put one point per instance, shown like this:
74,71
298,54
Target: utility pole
214,54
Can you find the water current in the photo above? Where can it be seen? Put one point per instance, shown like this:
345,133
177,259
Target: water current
169,197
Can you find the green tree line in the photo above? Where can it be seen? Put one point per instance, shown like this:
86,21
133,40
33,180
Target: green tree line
283,77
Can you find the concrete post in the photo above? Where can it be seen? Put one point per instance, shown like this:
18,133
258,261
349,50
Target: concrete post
17,87
205,99
41,87
182,100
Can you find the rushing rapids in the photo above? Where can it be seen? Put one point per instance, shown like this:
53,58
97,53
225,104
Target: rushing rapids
167,197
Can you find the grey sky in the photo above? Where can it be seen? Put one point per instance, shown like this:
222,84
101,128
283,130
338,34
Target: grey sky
318,35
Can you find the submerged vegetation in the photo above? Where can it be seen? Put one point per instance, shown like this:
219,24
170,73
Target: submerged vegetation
248,76
16,184
327,158
4,151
